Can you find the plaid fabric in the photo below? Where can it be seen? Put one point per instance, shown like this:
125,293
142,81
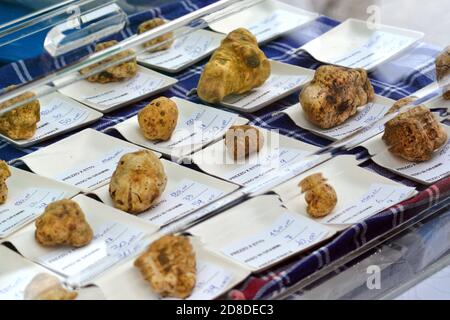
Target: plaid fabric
397,78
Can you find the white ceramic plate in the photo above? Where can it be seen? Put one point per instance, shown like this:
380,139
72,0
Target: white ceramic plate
277,151
284,80
259,233
111,96
85,160
354,43
266,20
351,184
215,276
184,52
117,236
59,114
426,172
28,195
16,273
197,126
365,115
186,191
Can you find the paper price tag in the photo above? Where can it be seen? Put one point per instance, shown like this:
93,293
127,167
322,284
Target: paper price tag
24,208
185,198
95,173
200,128
278,22
380,45
58,115
275,86
378,197
289,234
183,51
112,243
117,93
253,171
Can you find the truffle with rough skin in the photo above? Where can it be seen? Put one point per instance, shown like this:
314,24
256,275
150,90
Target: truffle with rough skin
158,119
138,181
443,69
243,140
169,265
151,24
414,135
120,72
63,223
20,123
335,94
4,174
47,287
319,195
236,67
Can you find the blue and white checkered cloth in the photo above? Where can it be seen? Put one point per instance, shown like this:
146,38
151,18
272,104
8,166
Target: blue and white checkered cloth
395,79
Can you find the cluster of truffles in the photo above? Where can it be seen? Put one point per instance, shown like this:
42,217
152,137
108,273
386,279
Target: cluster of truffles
335,94
169,265
166,38
158,119
319,195
414,135
236,67
115,73
47,287
63,223
443,68
242,141
20,123
138,181
4,174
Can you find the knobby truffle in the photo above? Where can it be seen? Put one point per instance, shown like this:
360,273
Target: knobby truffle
319,195
151,24
158,119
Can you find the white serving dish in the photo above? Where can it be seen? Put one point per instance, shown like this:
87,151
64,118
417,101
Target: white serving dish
351,184
266,20
111,96
186,190
198,125
184,52
28,195
359,44
59,114
285,79
85,160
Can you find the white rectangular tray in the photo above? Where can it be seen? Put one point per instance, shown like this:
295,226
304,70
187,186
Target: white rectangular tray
16,273
117,236
365,115
216,160
425,173
215,276
28,195
184,52
285,79
85,160
260,233
351,184
111,96
195,121
266,20
59,114
356,43
186,187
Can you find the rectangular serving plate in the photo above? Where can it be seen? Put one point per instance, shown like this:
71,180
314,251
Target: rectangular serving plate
59,115
88,93
352,34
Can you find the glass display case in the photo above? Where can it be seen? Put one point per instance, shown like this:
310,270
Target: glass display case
267,149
